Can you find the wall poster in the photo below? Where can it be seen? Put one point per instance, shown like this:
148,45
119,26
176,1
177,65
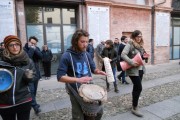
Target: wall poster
7,19
162,29
98,24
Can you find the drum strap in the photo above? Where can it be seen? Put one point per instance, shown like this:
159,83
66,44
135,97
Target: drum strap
74,70
90,109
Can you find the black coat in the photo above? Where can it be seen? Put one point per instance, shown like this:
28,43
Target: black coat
36,56
111,54
121,47
19,91
46,56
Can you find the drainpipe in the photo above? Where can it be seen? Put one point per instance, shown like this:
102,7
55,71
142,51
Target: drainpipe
82,13
17,19
152,29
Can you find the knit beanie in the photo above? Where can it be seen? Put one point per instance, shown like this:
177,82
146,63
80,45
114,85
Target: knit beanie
11,38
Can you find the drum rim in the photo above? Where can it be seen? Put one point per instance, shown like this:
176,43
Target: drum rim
3,69
83,94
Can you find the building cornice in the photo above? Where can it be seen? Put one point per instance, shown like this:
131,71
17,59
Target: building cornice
119,4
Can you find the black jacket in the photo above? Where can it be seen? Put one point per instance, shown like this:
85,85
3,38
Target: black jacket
36,56
1,53
111,54
19,92
46,56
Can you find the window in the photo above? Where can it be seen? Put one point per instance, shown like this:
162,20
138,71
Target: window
49,20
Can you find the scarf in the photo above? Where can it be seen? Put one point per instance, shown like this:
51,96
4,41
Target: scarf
139,47
16,60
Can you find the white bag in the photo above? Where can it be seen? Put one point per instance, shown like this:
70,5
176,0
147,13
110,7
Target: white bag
107,65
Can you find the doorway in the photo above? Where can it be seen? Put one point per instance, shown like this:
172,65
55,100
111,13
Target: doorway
53,27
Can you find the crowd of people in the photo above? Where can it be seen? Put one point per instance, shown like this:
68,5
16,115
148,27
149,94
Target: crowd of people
76,67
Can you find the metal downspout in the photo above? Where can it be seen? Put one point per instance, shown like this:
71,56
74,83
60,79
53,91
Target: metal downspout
82,12
152,30
17,19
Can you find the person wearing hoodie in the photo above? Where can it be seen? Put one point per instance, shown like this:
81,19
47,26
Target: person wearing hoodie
35,55
133,47
75,69
15,101
90,48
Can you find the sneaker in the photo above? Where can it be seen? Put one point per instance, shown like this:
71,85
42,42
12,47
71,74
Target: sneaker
136,112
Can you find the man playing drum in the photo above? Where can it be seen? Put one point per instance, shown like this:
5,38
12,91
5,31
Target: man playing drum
75,69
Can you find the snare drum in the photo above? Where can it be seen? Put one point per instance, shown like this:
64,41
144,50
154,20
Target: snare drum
6,80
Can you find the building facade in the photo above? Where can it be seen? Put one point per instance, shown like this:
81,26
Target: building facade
54,21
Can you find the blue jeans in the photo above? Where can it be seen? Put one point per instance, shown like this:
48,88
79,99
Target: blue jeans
114,74
33,89
123,75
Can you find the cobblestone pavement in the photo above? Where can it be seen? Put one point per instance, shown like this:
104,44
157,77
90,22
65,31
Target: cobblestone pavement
117,104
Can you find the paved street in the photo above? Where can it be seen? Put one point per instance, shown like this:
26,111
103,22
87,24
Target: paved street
160,99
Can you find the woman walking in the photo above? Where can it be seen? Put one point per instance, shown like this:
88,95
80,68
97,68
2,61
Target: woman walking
135,73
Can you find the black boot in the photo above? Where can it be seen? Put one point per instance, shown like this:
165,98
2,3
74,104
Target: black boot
119,77
107,85
116,89
37,109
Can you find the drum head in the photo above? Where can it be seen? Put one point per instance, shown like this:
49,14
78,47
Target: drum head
92,92
6,80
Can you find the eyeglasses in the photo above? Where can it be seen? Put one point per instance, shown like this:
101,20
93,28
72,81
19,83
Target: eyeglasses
14,45
139,36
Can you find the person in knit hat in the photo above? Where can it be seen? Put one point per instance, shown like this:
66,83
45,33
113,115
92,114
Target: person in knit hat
11,38
15,101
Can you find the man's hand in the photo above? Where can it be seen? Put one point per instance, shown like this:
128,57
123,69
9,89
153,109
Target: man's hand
97,71
84,79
